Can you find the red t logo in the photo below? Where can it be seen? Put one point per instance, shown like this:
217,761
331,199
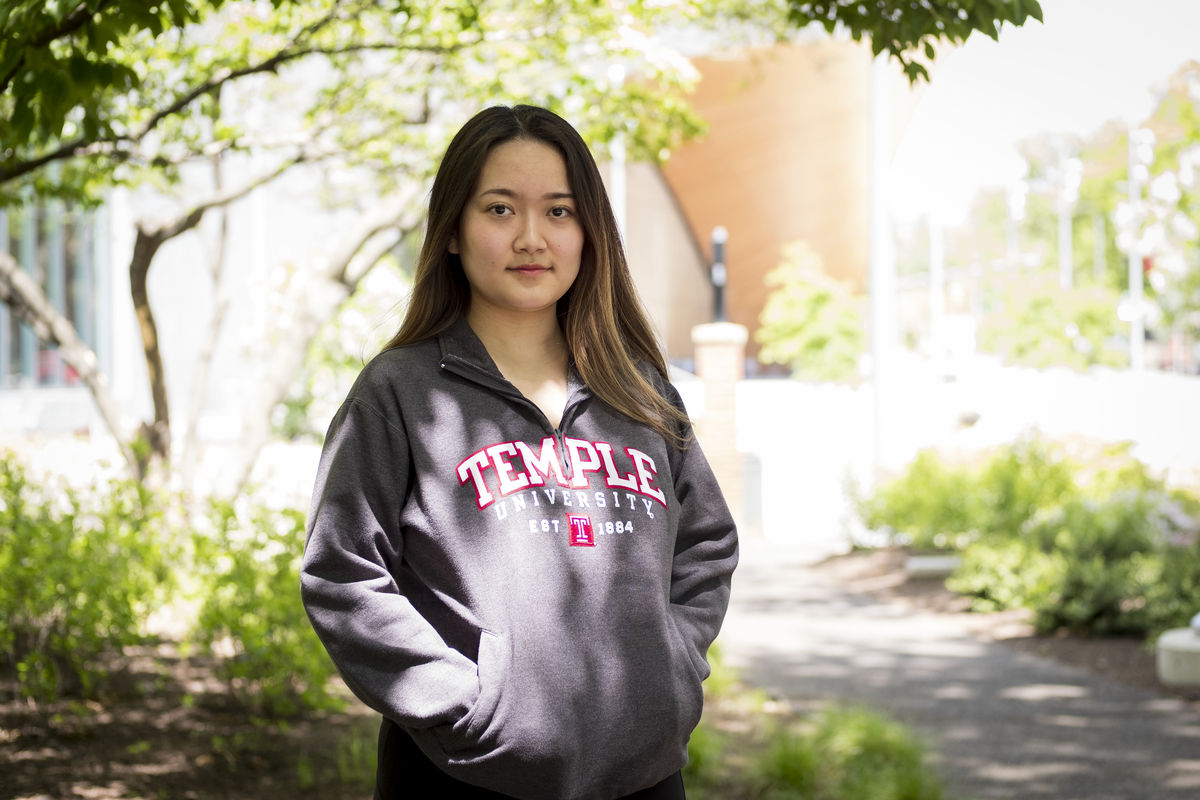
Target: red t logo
581,531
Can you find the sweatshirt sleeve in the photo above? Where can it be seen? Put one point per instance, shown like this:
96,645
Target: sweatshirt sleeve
706,551
389,655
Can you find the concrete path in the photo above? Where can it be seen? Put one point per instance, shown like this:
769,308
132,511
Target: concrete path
1002,723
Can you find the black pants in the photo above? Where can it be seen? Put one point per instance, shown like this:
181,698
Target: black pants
405,773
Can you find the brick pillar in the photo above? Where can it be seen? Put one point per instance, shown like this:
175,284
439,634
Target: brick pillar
720,349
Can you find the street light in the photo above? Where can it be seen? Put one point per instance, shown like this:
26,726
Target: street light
1018,193
1141,155
1070,177
718,274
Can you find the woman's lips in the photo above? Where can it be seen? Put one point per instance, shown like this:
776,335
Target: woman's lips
530,269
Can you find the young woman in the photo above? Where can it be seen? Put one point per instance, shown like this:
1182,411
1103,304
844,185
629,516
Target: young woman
517,553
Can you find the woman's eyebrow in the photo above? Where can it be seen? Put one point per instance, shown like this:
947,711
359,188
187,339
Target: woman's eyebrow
547,196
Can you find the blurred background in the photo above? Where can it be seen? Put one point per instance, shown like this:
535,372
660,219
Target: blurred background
942,243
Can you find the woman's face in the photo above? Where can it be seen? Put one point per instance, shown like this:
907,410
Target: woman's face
519,238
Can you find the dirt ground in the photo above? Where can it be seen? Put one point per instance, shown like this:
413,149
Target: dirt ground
169,729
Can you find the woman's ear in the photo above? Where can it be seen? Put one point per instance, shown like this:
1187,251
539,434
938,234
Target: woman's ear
453,247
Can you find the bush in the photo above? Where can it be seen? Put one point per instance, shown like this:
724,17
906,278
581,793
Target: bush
932,505
1173,594
1020,480
1115,566
248,564
1096,545
82,571
936,504
863,754
748,747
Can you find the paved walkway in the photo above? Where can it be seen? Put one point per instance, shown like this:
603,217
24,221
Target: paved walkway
1002,723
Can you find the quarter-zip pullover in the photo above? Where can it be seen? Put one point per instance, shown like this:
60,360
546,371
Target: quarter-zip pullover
532,605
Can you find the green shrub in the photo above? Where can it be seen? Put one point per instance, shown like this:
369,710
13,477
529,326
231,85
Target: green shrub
1020,480
1004,573
931,505
1095,543
748,747
1173,594
82,569
846,753
248,563
935,504
705,748
1096,566
788,768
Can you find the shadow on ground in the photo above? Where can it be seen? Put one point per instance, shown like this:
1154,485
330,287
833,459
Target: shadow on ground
1004,723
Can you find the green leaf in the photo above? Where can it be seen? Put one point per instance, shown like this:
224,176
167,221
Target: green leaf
915,72
21,121
79,70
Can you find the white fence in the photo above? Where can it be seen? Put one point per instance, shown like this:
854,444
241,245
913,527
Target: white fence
805,442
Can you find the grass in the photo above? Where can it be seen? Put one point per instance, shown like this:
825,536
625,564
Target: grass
750,747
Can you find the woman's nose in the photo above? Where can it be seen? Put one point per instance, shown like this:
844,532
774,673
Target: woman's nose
529,236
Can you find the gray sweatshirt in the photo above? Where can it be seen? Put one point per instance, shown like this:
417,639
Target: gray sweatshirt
533,606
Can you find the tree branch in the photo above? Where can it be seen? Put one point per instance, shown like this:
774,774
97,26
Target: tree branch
387,218
363,246
86,146
68,25
149,240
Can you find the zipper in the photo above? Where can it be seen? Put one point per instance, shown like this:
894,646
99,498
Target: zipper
477,374
488,380
492,380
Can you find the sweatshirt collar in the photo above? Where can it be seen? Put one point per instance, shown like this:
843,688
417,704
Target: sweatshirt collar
459,343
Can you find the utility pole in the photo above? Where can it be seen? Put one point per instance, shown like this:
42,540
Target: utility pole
718,273
1141,155
883,260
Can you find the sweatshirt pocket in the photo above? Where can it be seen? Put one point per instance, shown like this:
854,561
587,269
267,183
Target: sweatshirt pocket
688,681
493,667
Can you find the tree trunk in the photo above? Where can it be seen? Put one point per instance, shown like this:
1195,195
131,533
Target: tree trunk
157,433
28,302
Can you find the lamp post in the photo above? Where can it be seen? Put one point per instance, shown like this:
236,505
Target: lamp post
1018,193
1070,176
617,187
1141,155
882,265
937,285
718,273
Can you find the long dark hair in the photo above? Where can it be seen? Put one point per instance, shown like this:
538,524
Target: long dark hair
605,326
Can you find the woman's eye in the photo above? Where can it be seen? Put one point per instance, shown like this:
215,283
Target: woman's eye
499,210
560,212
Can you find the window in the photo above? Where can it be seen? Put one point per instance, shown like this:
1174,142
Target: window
55,244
